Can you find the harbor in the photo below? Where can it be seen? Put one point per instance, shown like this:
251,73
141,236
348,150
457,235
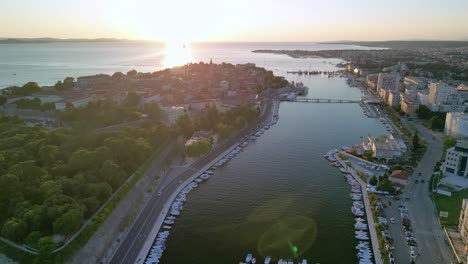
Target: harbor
169,216
247,206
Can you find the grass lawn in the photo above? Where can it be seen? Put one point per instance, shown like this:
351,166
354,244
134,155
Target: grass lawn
452,205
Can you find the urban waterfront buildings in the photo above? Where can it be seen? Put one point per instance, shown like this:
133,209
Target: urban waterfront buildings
409,107
456,124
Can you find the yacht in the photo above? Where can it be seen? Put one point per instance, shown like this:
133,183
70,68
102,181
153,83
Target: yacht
280,261
267,260
248,258
254,261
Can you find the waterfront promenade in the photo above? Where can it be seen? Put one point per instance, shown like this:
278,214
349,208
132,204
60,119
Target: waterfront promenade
370,217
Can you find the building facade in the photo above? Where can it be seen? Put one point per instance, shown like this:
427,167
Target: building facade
463,227
456,124
388,81
409,107
441,96
456,160
393,98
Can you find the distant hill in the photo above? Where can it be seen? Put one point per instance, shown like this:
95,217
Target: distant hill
395,44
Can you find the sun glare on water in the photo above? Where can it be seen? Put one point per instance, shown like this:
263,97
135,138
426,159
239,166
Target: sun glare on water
177,53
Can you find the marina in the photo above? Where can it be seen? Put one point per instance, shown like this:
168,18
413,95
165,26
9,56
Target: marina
159,245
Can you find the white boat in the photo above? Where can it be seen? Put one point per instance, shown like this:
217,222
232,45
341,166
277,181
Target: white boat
290,261
167,227
169,222
267,260
280,261
248,258
254,261
304,261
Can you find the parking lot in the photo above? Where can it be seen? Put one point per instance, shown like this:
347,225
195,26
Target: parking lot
369,168
398,231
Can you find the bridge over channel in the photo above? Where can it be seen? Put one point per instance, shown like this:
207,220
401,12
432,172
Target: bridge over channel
322,100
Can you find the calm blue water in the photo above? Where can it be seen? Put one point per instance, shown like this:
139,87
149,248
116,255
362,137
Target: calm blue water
49,62
280,192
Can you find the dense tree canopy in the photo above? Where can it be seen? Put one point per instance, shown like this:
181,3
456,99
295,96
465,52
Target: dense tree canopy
51,181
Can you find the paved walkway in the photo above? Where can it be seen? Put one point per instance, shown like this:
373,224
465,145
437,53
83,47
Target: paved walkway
370,218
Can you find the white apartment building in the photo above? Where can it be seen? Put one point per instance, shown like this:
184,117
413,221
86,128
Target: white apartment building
456,124
456,160
441,94
394,98
388,81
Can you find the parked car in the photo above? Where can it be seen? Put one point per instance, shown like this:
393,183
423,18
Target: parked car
392,220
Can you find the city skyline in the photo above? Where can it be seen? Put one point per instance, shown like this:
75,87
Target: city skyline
220,21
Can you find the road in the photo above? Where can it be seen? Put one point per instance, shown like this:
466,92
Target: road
432,245
141,228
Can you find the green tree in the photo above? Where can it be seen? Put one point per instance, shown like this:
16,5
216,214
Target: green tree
373,180
3,99
27,89
437,123
184,126
449,142
68,222
132,73
44,255
368,155
153,110
133,100
118,75
416,140
112,174
14,229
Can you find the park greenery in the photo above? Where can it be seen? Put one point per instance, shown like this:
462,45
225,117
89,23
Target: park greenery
51,181
452,205
224,123
436,119
197,149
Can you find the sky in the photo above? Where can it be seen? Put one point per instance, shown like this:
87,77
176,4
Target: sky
237,20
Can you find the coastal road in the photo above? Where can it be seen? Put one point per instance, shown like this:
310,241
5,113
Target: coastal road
143,224
431,242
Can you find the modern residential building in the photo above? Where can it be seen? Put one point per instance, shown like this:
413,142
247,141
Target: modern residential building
456,124
409,107
423,97
371,80
414,83
456,160
393,98
388,81
442,97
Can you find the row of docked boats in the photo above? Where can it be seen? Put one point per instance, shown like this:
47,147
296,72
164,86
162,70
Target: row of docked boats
364,254
177,205
251,259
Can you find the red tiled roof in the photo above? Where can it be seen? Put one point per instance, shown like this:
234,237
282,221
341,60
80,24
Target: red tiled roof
399,174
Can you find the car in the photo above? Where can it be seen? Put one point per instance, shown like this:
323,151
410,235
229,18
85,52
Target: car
422,181
159,193
392,220
416,181
419,174
413,254
406,199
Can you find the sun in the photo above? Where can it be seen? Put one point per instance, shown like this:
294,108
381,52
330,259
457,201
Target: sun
177,53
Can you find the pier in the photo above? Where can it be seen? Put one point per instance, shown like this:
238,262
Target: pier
321,100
